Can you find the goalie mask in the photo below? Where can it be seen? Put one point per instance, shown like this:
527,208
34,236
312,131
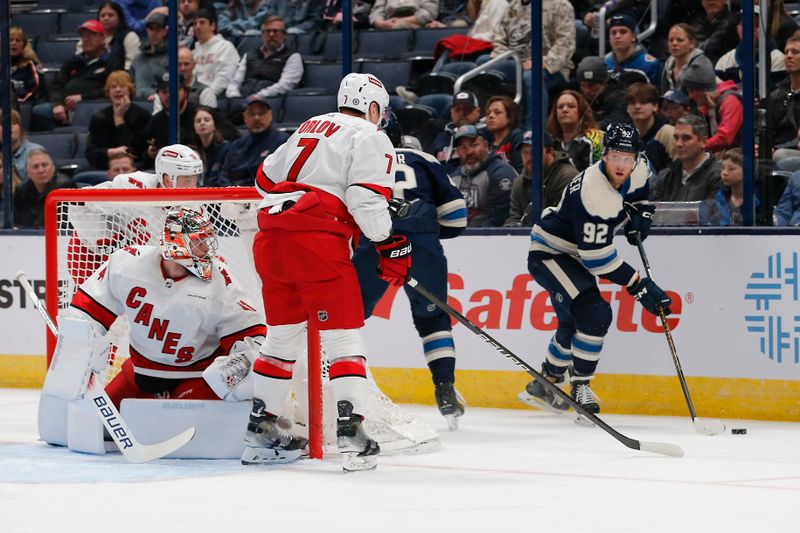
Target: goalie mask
189,239
178,160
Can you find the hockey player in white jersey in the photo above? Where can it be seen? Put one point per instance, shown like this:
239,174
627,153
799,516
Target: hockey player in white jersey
572,244
184,310
177,166
331,180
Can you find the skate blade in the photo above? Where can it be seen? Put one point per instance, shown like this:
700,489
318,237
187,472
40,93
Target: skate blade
269,456
352,462
533,401
583,421
452,422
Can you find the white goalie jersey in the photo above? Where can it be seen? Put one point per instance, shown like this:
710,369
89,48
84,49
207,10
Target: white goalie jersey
177,326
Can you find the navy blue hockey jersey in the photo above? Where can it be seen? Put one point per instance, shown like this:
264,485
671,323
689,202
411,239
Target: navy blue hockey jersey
584,222
437,205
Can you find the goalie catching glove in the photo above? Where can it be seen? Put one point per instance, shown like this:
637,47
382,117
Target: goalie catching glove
650,295
229,375
395,259
640,219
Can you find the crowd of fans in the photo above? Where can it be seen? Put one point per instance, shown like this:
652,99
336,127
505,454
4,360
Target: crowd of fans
681,88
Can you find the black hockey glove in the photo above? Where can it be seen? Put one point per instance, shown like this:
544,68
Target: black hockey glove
399,208
641,218
651,296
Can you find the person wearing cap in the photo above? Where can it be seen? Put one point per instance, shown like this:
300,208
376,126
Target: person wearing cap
720,104
271,70
605,94
156,134
654,131
243,156
628,58
674,105
484,180
81,77
187,10
152,61
557,172
121,39
216,57
464,109
783,111
715,29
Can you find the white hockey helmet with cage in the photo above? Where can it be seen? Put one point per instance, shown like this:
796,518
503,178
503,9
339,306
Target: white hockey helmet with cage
178,160
357,91
189,239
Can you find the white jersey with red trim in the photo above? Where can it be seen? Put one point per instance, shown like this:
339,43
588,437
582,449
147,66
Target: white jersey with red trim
342,155
177,326
134,180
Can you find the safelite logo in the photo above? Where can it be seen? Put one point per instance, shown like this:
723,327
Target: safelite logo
773,295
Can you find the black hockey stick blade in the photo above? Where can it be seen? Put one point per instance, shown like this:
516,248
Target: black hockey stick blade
662,448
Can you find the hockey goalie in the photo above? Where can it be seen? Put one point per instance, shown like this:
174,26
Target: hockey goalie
193,332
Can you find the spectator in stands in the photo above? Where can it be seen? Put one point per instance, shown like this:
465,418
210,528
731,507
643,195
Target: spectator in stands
187,10
272,70
121,40
605,94
487,15
654,130
715,29
156,134
628,59
787,210
152,61
29,197
20,145
484,180
557,172
236,18
682,44
120,163
82,77
199,93
136,11
720,104
727,67
695,174
674,105
26,78
117,128
463,110
782,25
502,123
301,16
726,210
15,179
332,13
212,144
243,156
783,111
216,57
452,14
400,14
571,124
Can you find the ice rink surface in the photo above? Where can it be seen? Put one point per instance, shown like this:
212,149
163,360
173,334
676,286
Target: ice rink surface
502,471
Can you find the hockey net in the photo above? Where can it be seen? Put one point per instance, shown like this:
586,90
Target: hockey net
84,226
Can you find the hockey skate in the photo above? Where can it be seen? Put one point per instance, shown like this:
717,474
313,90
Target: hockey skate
359,452
450,403
540,396
266,443
585,396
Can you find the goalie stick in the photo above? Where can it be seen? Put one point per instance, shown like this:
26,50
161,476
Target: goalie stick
131,449
701,425
662,448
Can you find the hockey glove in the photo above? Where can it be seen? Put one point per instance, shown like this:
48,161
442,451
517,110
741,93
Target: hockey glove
650,295
395,259
641,218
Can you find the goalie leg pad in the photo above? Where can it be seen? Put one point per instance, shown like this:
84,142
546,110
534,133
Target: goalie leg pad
79,350
84,428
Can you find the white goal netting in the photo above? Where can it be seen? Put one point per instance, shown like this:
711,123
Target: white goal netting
86,225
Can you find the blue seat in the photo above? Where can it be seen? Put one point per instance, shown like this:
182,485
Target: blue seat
82,114
309,45
299,107
53,54
425,40
383,44
332,50
440,103
36,24
69,22
322,76
89,178
248,43
60,145
391,73
78,162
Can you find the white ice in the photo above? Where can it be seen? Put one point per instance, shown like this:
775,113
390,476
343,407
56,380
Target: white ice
502,471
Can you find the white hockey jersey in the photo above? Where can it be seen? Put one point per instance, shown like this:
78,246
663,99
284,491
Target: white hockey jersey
177,326
345,156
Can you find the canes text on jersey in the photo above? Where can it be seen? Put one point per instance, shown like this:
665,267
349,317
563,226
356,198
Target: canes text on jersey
158,327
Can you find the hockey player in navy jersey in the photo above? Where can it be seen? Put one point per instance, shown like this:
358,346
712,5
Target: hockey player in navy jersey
437,211
572,244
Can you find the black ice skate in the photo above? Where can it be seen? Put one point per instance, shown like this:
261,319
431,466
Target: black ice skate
450,403
583,394
266,443
359,452
537,395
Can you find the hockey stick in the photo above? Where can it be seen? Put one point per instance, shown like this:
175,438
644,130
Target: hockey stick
703,426
662,448
131,449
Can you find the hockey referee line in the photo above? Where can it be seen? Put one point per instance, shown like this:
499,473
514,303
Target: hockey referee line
662,448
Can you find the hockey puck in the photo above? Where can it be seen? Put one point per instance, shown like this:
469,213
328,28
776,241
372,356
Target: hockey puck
738,431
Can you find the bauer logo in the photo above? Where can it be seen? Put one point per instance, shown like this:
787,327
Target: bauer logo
774,318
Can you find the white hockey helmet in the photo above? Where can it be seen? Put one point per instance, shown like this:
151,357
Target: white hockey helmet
357,91
178,160
189,239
